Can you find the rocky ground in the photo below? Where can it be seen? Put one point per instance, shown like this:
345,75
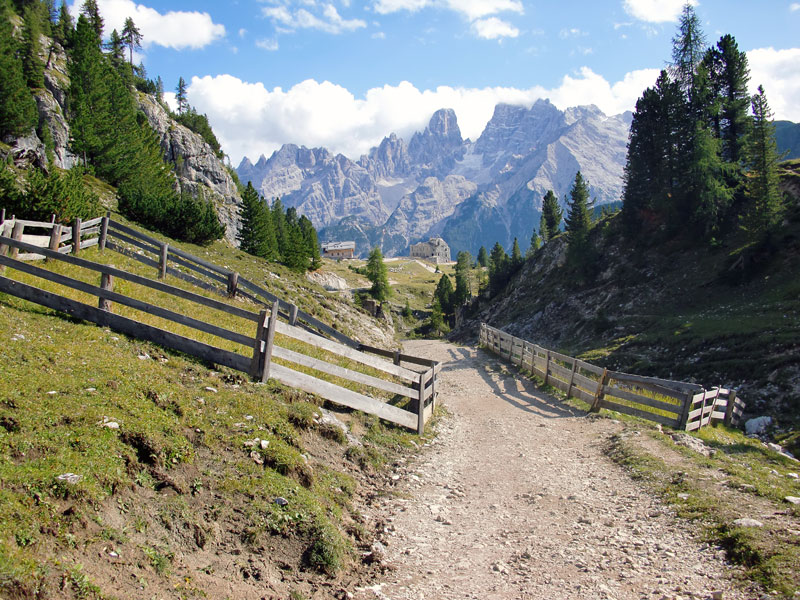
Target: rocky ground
515,499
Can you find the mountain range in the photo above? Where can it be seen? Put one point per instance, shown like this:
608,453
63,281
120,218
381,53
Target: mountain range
471,193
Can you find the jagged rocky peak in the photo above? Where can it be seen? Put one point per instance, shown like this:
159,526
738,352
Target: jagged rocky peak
437,149
389,159
516,129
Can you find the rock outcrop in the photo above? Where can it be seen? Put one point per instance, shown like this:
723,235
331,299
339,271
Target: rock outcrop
198,168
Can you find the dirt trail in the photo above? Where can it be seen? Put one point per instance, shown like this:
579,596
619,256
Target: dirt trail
515,499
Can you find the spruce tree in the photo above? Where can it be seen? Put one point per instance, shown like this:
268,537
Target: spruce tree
498,269
483,257
462,292
91,11
579,217
256,236
536,243
378,274
18,112
765,203
516,257
32,64
550,223
311,243
688,48
65,27
444,294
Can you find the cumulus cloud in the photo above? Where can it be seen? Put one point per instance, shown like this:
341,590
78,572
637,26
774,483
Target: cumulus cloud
386,7
267,44
779,72
328,20
656,11
794,6
175,29
251,120
494,28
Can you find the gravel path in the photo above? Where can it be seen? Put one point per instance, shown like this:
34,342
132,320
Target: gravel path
515,499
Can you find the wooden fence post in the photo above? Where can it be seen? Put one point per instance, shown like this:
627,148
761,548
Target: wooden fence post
76,236
396,357
598,395
293,315
101,243
259,346
727,421
233,284
433,386
547,368
687,407
421,405
16,234
2,216
106,283
55,238
267,358
162,261
572,377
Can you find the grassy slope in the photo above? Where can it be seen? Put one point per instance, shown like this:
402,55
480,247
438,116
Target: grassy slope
173,498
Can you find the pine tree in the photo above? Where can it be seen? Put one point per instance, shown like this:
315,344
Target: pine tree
579,217
688,48
550,224
311,243
116,49
483,257
765,203
462,292
132,38
65,26
32,64
18,112
516,257
438,326
498,269
279,225
91,11
180,96
378,274
295,255
536,243
444,294
257,237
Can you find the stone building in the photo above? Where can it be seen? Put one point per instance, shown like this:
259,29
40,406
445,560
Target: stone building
435,250
338,250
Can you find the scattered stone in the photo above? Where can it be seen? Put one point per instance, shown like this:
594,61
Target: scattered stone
213,390
281,501
257,458
144,356
683,496
111,425
17,337
691,442
717,595
251,443
746,522
757,426
775,447
248,417
70,478
113,554
792,475
792,499
264,444
52,393
91,389
376,554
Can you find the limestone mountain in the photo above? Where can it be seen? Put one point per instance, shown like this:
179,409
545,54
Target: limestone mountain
470,193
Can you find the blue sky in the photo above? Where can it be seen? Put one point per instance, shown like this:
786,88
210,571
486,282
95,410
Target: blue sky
344,73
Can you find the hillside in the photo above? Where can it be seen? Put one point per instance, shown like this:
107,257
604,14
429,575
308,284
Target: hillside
128,467
723,315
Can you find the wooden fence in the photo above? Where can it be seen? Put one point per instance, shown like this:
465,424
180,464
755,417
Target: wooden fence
52,235
685,406
396,379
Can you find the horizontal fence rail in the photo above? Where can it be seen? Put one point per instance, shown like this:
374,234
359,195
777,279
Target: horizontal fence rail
676,404
413,387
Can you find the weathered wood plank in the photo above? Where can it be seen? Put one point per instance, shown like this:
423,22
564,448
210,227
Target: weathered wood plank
589,368
559,371
203,263
585,383
196,268
132,241
125,325
92,222
629,410
347,352
666,383
616,392
343,396
344,373
130,302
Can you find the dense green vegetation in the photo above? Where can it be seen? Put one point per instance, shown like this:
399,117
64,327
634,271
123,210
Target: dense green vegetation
271,233
108,132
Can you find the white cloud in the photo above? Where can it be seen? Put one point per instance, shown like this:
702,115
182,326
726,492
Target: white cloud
329,20
475,9
570,33
174,29
251,120
656,11
385,7
779,72
794,6
242,32
378,35
493,28
267,44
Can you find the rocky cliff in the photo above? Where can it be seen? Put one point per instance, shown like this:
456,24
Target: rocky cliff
197,168
470,193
